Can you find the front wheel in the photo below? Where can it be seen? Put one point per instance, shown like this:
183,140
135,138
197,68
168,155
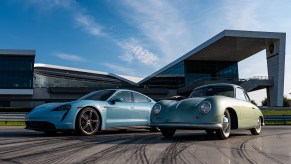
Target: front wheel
168,132
224,133
87,122
258,128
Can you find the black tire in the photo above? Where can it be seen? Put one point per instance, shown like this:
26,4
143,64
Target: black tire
168,132
154,129
210,131
258,128
87,122
224,133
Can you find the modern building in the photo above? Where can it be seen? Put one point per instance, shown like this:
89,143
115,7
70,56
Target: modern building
216,60
16,74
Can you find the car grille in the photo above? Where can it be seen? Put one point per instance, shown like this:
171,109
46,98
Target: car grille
39,125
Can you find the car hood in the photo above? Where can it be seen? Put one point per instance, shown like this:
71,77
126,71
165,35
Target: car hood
47,107
186,103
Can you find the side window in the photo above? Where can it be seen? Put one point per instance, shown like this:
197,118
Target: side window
239,94
140,98
126,96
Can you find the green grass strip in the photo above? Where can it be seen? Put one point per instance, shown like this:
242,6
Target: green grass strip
12,123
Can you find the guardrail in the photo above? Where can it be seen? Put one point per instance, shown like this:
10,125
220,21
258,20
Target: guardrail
282,117
13,117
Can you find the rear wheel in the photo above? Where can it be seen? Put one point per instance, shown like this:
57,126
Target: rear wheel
226,126
258,128
87,122
168,132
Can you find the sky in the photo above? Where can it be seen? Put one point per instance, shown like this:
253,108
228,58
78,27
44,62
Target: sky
134,37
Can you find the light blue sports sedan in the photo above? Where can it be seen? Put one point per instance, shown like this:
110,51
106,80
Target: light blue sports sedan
95,111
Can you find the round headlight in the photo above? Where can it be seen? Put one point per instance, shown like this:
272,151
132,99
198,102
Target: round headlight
205,107
157,108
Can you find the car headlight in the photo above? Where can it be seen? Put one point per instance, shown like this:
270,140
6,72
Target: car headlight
205,107
157,108
62,107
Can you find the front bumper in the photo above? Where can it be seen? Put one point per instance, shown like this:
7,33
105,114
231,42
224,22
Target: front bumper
188,125
40,126
49,121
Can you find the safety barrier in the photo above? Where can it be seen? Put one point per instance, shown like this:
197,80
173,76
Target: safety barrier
282,117
19,116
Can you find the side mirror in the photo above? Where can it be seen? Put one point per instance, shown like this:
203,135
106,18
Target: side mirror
115,99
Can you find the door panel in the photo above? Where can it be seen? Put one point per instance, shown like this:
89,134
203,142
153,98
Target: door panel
120,114
142,114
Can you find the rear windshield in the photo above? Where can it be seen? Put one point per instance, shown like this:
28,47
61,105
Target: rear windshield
212,91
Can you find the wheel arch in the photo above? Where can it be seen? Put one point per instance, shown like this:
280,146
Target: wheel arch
96,109
233,116
262,120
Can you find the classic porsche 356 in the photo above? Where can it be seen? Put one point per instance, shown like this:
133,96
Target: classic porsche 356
215,108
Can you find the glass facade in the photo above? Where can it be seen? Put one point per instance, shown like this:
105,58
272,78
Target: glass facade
170,78
16,72
189,71
195,70
177,69
46,81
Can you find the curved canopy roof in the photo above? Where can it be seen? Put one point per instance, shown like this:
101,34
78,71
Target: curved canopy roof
128,79
228,45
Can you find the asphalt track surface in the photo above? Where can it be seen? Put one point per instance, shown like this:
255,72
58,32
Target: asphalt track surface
18,145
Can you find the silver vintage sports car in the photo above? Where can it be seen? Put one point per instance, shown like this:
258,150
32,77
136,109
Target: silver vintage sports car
215,108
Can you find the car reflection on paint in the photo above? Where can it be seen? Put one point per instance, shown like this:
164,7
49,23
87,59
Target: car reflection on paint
95,111
215,108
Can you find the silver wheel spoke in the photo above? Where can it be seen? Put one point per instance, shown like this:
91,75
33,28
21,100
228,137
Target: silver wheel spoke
84,117
90,117
84,127
95,121
91,128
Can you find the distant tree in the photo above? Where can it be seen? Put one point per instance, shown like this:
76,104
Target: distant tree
265,102
285,102
253,102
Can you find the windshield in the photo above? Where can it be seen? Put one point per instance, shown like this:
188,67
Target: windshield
211,91
101,95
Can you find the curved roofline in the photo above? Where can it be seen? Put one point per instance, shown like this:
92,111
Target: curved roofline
41,65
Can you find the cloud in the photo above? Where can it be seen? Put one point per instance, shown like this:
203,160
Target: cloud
69,57
48,5
85,21
162,25
121,69
88,24
243,14
134,51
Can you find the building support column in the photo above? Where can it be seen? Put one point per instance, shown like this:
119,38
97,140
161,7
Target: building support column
275,52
